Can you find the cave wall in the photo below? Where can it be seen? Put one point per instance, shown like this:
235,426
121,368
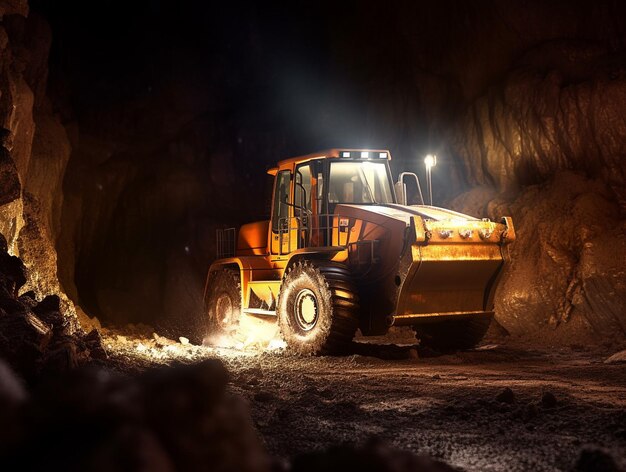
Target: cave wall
561,107
565,281
550,138
36,154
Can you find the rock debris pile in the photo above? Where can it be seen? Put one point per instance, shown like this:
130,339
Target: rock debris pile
35,337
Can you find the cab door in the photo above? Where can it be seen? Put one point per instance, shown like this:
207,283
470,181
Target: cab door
303,204
281,214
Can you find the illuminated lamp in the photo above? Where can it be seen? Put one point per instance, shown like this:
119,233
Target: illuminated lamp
430,161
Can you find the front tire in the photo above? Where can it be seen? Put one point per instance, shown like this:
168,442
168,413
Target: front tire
317,308
452,335
223,305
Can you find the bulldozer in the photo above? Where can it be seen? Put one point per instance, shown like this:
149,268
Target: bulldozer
343,250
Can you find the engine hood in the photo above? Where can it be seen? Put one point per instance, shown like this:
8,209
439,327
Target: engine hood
403,213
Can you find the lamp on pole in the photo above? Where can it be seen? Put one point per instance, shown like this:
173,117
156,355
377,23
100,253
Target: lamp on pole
430,161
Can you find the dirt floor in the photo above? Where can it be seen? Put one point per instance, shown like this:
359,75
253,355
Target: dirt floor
503,406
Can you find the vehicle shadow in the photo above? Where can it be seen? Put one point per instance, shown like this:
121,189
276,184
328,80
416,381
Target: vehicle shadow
482,354
390,351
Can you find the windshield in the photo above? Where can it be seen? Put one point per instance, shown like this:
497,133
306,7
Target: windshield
359,182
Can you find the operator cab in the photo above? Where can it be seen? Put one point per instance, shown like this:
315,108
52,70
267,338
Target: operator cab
360,177
307,190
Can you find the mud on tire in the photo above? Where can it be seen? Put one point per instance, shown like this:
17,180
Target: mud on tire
223,303
450,335
317,308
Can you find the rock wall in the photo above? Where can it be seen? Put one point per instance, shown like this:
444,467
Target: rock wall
560,108
36,152
549,139
566,280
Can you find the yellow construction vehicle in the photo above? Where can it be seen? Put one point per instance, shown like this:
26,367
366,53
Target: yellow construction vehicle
343,250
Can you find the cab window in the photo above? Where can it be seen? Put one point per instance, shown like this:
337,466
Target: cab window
281,199
302,190
359,182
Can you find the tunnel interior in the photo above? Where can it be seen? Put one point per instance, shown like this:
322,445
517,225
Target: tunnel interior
137,131
132,131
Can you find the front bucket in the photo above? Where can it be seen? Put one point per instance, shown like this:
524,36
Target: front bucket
449,278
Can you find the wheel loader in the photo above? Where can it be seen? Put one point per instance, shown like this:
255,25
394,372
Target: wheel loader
343,251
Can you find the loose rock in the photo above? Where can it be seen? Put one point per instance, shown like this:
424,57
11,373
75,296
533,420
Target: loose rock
595,461
548,400
373,456
264,397
506,396
617,358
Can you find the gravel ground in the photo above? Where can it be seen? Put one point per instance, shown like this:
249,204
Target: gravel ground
504,406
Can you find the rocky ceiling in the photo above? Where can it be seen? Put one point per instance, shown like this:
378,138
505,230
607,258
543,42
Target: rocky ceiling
136,130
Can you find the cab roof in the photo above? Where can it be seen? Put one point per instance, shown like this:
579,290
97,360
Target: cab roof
330,153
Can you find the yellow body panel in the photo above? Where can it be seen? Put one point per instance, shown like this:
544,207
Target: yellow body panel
252,240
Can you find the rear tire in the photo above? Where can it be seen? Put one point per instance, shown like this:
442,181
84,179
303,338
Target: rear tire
451,335
223,304
317,308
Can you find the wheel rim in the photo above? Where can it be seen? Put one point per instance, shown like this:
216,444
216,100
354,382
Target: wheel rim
224,311
306,310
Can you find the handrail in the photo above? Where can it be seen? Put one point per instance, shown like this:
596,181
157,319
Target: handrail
226,242
325,230
401,187
311,230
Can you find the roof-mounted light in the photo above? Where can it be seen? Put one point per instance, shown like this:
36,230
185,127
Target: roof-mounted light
345,154
382,155
365,155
